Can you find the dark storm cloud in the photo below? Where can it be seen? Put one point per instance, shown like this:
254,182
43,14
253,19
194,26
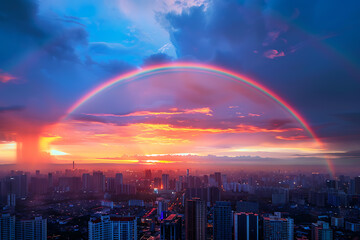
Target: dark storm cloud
11,109
306,51
47,57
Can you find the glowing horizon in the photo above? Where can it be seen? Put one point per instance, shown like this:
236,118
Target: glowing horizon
170,68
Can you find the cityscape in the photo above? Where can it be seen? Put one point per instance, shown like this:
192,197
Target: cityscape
179,120
174,204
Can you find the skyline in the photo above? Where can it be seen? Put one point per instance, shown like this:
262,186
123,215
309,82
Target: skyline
57,53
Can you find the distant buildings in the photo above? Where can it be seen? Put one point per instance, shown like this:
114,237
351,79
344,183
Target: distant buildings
195,219
244,206
171,228
210,195
148,174
280,197
276,227
246,226
222,221
112,228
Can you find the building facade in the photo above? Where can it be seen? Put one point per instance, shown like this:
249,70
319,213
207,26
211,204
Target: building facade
113,228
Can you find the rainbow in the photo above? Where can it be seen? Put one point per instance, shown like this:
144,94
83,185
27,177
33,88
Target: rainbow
154,69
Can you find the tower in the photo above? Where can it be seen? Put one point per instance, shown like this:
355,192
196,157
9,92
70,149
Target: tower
195,219
222,221
246,226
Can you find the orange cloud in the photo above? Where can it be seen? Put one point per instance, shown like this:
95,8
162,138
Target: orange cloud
292,138
172,111
242,128
254,115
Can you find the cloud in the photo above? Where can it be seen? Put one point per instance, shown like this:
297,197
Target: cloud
173,111
157,59
6,77
52,63
273,54
11,109
292,138
317,74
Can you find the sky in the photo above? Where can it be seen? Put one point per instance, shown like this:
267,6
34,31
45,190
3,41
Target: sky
54,52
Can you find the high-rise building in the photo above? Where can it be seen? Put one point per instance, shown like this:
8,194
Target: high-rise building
162,207
157,182
330,183
276,227
15,184
246,226
110,184
112,228
38,185
99,181
11,200
87,182
69,184
280,197
218,179
321,231
210,195
50,181
357,185
7,227
165,181
171,228
195,219
35,229
119,179
222,223
148,174
337,222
